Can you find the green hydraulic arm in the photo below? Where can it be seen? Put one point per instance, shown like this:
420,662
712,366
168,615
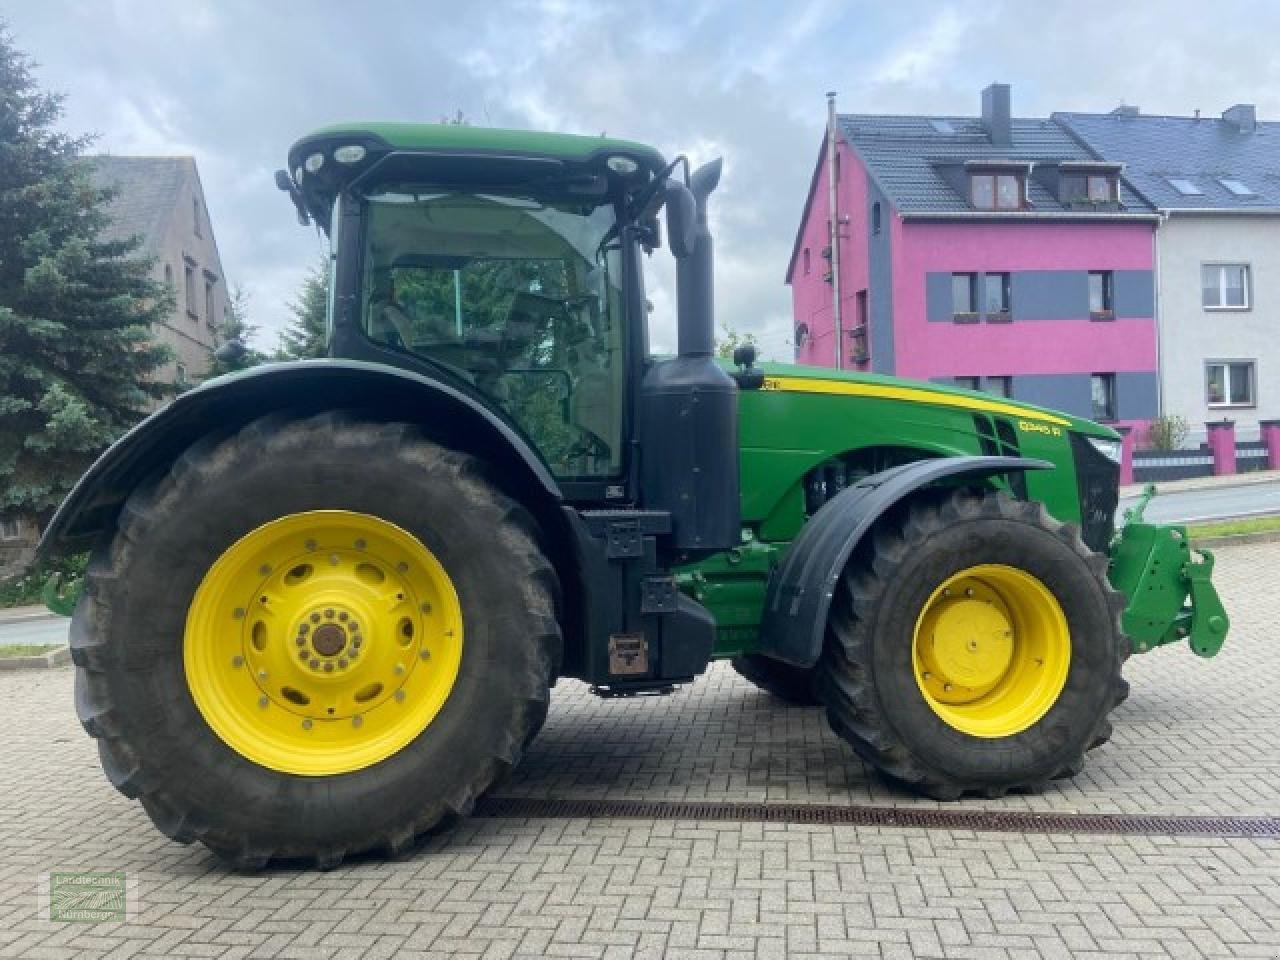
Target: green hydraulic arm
1168,585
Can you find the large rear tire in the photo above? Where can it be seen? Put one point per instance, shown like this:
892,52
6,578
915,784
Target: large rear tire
315,638
974,646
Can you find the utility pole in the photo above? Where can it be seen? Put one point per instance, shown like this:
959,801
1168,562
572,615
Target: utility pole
832,194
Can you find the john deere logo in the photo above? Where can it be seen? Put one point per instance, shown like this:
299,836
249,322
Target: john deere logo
86,897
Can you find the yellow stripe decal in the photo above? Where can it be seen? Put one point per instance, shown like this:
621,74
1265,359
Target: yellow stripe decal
909,394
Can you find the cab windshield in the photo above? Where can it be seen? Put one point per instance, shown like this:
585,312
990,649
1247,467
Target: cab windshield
521,297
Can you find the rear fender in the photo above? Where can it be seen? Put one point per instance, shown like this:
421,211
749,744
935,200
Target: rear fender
800,589
305,387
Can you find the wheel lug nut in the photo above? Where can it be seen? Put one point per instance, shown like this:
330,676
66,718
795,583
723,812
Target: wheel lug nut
311,544
238,613
343,616
301,641
306,724
425,608
265,569
357,640
315,618
262,674
400,696
425,654
968,592
302,655
315,664
329,614
946,687
402,567
355,627
328,667
354,653
262,701
342,664
399,669
303,629
357,720
237,661
360,544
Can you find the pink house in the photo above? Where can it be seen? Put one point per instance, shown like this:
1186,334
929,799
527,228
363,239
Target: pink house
989,252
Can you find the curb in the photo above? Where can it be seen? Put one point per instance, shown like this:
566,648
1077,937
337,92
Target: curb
43,661
29,617
1239,539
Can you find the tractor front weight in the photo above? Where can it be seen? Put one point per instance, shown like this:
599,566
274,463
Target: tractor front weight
1167,584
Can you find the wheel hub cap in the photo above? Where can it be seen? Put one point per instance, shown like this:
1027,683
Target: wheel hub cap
323,642
991,650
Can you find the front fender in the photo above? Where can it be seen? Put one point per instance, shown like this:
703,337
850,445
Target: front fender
302,387
798,597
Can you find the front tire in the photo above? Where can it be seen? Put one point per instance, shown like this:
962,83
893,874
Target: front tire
315,638
974,646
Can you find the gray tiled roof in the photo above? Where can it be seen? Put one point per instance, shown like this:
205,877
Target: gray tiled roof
903,154
148,190
1154,148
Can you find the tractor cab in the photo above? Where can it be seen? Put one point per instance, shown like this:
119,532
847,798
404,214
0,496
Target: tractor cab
507,263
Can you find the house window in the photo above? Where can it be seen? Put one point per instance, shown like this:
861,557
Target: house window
195,214
1237,187
1185,187
806,261
1102,387
1000,386
1225,286
968,383
996,295
875,217
10,528
1101,294
180,374
168,276
802,336
964,294
996,191
1102,189
208,301
1229,383
861,354
189,278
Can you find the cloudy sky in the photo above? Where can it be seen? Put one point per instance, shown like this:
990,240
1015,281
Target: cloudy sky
234,82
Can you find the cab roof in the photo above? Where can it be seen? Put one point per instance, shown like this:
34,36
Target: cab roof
447,152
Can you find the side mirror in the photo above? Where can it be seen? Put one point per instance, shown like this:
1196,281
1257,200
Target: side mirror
682,219
230,352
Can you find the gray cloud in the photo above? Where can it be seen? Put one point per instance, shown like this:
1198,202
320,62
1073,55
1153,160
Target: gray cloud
235,82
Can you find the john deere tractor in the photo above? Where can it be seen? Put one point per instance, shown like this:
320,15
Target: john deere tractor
328,600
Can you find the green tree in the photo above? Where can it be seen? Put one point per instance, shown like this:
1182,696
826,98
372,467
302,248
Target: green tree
236,327
730,340
77,359
303,338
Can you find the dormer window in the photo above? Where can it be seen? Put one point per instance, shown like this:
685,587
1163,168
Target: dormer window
1102,188
990,190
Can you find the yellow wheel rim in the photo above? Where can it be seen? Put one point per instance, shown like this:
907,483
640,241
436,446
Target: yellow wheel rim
323,642
991,650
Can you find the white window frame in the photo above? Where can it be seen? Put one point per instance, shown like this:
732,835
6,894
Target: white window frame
1226,383
10,528
1222,285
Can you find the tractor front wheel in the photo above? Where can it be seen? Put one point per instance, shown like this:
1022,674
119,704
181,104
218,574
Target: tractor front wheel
974,646
314,638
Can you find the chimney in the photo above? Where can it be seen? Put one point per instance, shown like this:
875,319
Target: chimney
995,114
1126,110
1243,116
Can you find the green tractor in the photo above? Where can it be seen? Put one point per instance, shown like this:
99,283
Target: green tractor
328,600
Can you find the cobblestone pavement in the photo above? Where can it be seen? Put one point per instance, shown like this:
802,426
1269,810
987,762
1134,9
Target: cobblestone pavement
1194,738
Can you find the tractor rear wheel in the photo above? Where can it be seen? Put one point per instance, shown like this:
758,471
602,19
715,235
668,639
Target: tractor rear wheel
974,646
789,683
314,638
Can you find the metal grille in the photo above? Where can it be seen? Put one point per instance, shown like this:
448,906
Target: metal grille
1098,484
508,808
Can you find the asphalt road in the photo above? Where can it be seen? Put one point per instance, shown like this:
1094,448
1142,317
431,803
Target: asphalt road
45,630
1214,503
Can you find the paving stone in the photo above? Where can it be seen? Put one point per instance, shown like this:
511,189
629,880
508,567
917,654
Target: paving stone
1195,737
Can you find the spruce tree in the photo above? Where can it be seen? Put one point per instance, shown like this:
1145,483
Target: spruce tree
303,338
76,309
